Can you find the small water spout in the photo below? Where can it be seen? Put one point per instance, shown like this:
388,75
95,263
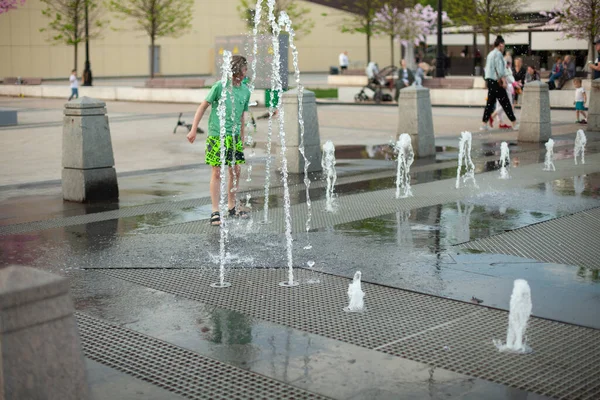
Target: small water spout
464,158
579,185
328,165
579,150
549,160
520,310
406,156
504,160
355,295
226,79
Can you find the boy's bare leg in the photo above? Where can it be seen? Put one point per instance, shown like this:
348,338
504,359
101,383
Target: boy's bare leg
215,187
584,115
234,175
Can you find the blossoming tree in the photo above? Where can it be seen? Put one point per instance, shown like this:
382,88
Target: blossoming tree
7,5
579,19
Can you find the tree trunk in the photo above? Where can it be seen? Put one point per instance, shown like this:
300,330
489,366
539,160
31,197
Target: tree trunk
487,43
392,48
152,39
75,46
591,55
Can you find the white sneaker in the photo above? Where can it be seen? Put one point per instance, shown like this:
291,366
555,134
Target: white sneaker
516,127
484,128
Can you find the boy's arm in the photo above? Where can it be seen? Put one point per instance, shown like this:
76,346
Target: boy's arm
584,97
242,126
197,118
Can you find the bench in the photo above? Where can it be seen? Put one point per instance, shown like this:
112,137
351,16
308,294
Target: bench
24,81
448,83
175,83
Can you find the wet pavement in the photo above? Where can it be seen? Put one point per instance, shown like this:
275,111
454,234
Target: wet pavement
413,250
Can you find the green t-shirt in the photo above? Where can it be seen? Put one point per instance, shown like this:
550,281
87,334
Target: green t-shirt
241,98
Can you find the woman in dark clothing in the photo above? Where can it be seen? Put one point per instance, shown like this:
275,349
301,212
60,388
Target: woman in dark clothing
519,73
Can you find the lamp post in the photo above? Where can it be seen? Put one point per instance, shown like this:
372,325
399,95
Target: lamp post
87,72
441,61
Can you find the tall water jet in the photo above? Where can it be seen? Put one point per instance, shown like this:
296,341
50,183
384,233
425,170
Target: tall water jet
504,160
252,83
355,295
277,88
549,159
328,165
463,222
226,82
464,158
405,158
287,24
520,310
579,150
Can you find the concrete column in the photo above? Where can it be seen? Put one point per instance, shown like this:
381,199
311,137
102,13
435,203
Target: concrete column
535,113
39,342
312,140
88,163
414,118
594,109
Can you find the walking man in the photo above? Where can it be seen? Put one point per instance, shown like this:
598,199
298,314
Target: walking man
343,62
495,78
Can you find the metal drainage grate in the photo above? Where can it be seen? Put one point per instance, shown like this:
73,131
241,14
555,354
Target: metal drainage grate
175,369
567,240
566,362
372,204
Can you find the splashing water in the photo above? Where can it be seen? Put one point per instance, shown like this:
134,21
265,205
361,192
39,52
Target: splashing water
355,295
549,159
579,184
248,197
579,150
226,79
328,165
464,157
504,160
463,222
287,24
271,106
406,157
277,86
520,310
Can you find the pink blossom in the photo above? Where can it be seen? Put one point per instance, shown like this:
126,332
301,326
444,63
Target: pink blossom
411,24
574,19
6,5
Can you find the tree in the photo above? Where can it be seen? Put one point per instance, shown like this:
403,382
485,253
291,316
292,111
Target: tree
158,18
301,24
67,22
485,16
7,5
387,21
579,19
362,19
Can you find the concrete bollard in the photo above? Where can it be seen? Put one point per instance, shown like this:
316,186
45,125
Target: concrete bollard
312,139
88,164
535,124
40,349
414,118
594,109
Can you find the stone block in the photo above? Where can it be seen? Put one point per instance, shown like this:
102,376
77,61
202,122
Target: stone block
40,349
8,117
535,124
594,107
414,118
292,128
85,185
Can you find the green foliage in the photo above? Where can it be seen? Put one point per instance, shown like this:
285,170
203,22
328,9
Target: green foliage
158,18
331,93
486,16
67,20
301,24
362,19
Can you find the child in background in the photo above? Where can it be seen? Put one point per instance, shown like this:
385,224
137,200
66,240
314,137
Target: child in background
580,100
74,85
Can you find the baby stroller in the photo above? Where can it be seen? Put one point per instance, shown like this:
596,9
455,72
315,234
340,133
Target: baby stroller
374,90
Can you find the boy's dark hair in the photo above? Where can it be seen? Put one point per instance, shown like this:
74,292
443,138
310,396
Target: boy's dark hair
74,71
237,62
577,80
499,40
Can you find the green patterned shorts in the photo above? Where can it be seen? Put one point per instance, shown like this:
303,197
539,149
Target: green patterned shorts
213,151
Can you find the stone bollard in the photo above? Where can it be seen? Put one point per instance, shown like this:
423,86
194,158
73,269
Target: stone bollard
594,109
414,118
88,163
40,350
312,140
535,113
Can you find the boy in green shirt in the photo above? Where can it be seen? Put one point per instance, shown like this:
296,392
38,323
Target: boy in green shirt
234,139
